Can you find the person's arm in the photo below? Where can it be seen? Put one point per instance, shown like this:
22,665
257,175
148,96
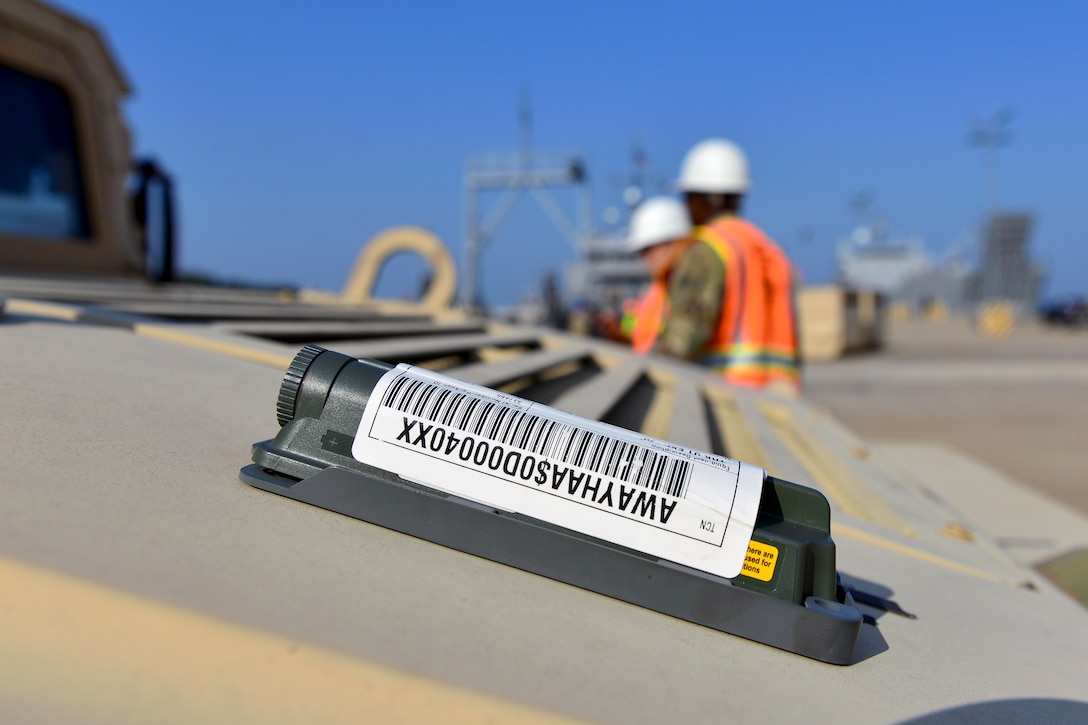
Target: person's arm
696,288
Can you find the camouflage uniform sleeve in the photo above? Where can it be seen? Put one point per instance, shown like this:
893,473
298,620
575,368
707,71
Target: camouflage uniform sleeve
696,288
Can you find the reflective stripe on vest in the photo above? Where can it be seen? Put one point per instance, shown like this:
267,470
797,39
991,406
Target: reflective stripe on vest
756,340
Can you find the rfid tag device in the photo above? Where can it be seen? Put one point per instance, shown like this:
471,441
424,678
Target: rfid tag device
683,532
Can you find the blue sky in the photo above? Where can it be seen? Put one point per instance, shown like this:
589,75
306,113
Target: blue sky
298,131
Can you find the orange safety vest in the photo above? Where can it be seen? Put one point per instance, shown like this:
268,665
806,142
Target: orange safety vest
756,340
647,314
649,310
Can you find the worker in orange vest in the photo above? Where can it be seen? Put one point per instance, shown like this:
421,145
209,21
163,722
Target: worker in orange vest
659,231
730,295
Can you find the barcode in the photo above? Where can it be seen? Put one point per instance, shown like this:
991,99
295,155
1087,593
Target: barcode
617,459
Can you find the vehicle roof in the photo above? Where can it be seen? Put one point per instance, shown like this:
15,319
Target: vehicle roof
145,581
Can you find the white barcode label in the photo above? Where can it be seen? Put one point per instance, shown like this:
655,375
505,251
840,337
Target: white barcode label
666,500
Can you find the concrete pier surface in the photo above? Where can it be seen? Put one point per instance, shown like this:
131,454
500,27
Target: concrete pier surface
1018,404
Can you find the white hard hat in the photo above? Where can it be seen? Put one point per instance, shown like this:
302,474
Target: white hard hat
715,166
657,220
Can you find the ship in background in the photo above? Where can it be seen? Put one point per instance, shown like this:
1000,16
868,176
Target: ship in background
898,272
913,281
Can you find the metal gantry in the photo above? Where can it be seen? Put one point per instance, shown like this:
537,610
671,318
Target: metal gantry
514,174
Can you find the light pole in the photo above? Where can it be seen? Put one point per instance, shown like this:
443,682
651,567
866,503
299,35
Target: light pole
991,134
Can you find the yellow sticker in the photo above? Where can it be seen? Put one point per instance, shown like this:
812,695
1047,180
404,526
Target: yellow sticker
760,561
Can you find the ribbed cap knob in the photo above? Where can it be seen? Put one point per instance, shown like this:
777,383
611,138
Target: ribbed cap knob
292,381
